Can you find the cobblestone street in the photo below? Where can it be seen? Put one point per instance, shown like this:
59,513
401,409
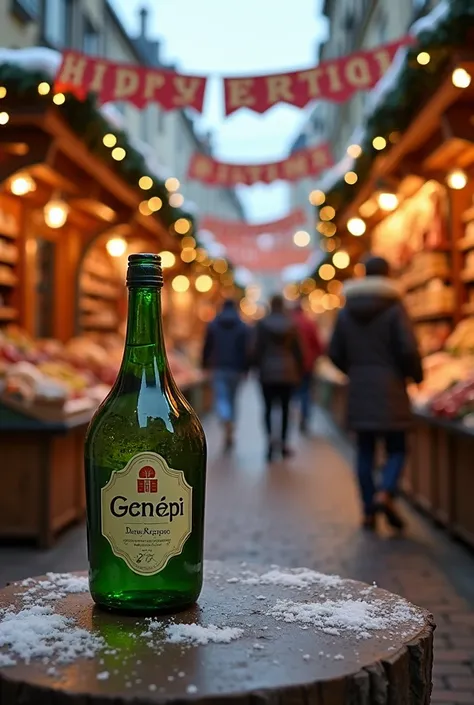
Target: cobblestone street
304,512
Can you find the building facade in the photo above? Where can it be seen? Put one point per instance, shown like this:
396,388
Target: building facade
92,26
353,25
312,133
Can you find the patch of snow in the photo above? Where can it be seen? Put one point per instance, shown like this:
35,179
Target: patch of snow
388,81
103,676
56,587
359,616
331,630
431,20
197,634
68,582
37,632
6,660
294,577
33,59
391,77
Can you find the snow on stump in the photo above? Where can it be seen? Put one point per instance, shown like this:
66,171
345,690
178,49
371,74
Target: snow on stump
258,635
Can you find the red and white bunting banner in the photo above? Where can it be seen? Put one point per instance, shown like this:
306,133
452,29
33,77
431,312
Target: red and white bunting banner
264,253
117,82
267,247
336,80
222,229
299,165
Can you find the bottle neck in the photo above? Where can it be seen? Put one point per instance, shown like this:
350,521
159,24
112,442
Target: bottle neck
144,329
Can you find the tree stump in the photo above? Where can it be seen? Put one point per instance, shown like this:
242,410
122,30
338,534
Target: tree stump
305,639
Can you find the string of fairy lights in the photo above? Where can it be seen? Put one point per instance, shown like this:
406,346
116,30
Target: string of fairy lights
56,212
318,299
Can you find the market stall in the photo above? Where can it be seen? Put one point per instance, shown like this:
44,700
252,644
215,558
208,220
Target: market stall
75,198
405,190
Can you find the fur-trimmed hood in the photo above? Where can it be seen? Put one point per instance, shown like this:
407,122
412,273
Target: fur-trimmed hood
367,298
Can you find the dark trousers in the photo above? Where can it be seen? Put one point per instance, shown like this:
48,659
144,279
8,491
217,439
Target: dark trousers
277,395
396,450
304,396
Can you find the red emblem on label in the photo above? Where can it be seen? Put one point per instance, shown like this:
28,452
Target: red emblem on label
146,481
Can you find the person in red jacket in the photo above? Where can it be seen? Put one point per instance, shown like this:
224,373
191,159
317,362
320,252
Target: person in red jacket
312,348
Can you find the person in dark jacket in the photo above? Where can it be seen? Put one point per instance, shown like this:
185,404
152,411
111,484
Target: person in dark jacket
226,353
374,345
279,360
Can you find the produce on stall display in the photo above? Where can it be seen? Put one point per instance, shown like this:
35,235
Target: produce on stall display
45,376
448,387
432,336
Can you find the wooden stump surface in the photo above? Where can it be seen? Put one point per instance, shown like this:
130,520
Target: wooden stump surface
274,661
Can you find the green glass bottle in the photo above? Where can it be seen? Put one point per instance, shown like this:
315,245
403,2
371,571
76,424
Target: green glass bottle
145,464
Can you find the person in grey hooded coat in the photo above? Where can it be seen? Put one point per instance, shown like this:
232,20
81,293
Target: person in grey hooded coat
374,345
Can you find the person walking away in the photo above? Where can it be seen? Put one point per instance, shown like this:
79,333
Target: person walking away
373,343
279,360
226,353
312,348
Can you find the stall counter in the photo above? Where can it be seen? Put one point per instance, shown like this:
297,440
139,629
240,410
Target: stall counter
42,470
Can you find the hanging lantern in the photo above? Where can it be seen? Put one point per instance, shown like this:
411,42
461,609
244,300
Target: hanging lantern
56,212
116,246
21,184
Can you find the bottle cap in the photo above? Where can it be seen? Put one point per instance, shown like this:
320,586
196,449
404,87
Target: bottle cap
144,269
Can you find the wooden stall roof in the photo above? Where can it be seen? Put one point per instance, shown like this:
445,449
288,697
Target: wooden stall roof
439,139
41,143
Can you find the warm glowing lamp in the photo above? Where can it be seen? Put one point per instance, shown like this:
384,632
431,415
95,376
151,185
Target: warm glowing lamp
116,246
56,212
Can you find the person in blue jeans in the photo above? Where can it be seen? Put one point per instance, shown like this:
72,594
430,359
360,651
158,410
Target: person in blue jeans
226,353
373,343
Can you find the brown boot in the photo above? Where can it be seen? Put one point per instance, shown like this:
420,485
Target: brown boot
229,435
385,504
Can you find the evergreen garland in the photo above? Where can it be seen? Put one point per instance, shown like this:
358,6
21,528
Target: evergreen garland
83,117
416,84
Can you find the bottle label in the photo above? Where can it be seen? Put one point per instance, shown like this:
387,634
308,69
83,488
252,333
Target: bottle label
147,513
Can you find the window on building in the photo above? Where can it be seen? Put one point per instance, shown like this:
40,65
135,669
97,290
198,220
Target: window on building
57,28
26,10
318,124
90,39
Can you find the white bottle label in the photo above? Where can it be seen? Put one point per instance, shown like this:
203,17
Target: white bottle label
147,513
